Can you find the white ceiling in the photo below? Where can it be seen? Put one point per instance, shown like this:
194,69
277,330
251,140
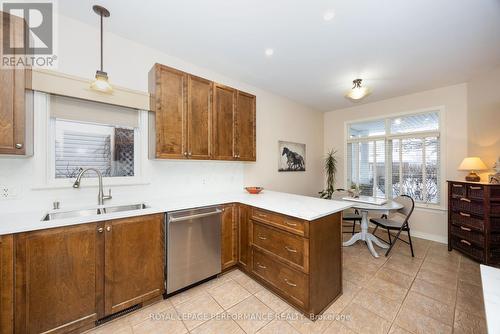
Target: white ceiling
396,46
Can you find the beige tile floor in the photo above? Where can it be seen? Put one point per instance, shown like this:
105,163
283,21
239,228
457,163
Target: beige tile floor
435,292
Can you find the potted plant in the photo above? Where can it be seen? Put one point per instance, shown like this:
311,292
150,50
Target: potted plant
331,170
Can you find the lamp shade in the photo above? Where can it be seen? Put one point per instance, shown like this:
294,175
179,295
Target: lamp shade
472,163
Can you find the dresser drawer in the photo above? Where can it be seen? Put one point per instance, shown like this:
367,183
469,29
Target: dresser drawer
475,191
458,190
467,205
289,224
292,283
291,248
467,247
468,234
465,219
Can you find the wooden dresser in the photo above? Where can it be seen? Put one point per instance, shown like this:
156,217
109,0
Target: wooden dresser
474,220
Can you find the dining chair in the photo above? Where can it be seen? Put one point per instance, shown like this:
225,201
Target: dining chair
350,216
397,222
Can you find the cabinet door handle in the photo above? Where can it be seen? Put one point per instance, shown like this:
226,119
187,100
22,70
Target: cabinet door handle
190,154
464,214
475,188
465,200
262,237
100,230
19,146
261,266
457,186
289,283
465,242
289,223
185,154
108,228
291,250
465,229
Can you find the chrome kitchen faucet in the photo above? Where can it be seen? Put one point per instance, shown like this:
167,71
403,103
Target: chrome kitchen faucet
100,196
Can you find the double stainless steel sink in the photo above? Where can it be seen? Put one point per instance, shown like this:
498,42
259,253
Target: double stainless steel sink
93,212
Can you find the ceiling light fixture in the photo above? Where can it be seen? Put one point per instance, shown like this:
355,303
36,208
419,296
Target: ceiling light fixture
101,82
269,52
329,15
357,92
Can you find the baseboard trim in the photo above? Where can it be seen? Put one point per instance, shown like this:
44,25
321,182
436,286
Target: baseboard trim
429,236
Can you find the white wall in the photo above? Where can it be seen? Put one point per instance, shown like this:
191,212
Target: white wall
429,223
127,64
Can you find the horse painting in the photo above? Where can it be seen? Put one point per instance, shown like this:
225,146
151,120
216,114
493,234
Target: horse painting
292,157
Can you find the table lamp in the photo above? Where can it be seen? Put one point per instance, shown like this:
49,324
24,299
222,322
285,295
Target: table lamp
472,164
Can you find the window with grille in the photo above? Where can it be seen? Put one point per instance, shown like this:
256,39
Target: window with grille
92,135
394,156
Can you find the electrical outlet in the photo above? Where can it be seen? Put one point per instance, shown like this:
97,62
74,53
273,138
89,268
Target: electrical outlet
7,192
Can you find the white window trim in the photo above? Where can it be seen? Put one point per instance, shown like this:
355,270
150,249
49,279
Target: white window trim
441,110
44,151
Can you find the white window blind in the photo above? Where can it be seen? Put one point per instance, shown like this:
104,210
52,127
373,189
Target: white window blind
406,149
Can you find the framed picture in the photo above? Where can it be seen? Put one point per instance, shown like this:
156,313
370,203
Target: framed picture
292,157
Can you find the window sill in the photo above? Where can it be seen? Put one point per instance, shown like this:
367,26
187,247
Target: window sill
430,207
92,183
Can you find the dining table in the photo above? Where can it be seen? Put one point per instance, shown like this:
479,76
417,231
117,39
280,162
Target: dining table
365,204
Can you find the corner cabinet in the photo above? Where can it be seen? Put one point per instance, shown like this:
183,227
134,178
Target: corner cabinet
6,284
15,109
229,236
194,118
86,272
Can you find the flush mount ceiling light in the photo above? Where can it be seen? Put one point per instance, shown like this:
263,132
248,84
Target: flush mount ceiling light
101,82
269,52
357,92
329,15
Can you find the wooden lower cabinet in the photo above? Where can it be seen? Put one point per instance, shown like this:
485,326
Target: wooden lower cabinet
244,255
229,236
134,258
67,278
58,279
6,284
301,262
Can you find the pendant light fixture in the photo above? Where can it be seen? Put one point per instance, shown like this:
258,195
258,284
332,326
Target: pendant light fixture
100,82
357,92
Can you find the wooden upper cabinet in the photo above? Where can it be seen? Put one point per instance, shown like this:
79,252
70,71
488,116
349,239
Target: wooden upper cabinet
199,117
58,279
12,94
245,136
224,123
135,261
169,103
229,240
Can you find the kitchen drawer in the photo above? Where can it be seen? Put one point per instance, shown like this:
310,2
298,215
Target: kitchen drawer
467,248
289,224
468,234
495,239
291,248
292,283
458,190
475,192
467,205
465,219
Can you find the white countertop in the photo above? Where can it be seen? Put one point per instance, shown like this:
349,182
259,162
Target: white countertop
490,278
303,207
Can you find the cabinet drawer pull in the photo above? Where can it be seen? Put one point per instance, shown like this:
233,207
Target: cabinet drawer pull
465,229
457,186
289,223
261,266
291,250
465,242
464,214
262,237
289,283
465,200
475,188
262,215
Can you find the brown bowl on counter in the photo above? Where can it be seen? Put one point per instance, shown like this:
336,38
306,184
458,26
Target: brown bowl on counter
254,190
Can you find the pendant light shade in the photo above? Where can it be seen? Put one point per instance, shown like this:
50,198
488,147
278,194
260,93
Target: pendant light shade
101,82
357,92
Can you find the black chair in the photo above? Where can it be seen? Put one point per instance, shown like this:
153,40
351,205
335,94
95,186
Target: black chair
399,225
353,217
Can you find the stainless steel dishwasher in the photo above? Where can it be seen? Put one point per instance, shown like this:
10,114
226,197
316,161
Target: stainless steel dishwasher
193,246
